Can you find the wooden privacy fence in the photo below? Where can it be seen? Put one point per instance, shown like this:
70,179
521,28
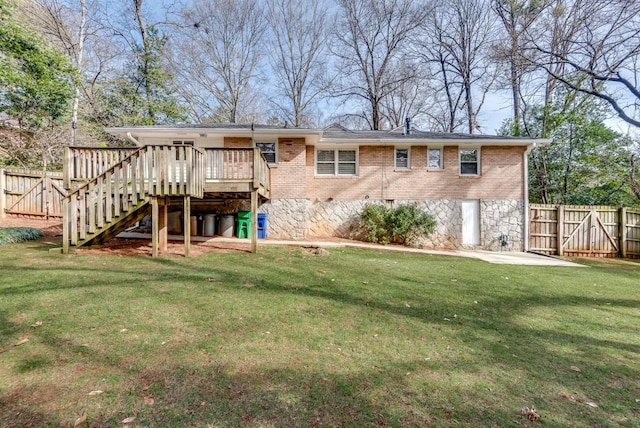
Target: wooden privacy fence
584,230
31,193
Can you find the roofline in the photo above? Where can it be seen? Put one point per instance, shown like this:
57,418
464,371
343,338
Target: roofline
440,141
321,139
206,130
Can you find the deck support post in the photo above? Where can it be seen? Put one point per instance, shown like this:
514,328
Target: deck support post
186,213
254,221
155,214
163,219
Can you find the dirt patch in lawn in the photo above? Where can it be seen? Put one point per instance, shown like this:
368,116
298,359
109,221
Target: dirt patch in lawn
142,247
125,247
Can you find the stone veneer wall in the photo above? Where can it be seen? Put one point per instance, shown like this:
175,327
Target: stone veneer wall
303,219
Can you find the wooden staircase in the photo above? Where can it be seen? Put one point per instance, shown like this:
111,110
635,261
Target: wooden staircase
120,187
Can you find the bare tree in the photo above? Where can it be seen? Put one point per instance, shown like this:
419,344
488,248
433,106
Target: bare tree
372,36
517,17
446,84
298,36
455,43
217,57
598,53
411,99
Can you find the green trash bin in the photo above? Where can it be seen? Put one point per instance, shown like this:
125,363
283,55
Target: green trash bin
243,225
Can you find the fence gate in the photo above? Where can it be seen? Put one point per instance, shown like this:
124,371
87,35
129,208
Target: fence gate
32,193
630,242
588,231
584,231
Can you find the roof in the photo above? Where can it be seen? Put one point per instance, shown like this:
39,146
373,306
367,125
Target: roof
416,136
334,134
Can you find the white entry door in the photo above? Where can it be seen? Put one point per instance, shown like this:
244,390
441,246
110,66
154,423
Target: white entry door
471,222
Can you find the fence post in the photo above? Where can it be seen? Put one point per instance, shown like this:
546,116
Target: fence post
622,233
560,229
3,195
66,168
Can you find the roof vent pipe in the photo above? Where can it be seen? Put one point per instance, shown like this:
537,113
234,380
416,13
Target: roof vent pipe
407,126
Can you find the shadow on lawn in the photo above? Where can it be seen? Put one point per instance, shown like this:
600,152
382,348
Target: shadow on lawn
299,395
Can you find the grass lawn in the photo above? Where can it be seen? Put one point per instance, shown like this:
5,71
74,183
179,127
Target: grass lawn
285,338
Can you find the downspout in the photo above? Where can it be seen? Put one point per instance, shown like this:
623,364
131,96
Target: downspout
133,140
525,202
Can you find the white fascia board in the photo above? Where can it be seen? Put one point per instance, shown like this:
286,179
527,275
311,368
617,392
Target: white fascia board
435,141
205,132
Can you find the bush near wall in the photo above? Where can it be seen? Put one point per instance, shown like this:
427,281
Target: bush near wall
403,224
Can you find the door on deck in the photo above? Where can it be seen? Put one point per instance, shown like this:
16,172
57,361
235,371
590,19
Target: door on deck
471,222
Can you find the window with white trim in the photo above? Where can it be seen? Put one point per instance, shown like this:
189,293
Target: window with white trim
434,158
469,161
269,151
336,162
183,143
402,158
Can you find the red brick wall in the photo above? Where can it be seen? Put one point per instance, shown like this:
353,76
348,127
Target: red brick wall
287,177
237,142
294,175
501,176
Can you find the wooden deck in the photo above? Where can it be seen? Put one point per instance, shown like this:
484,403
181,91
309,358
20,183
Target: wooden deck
108,189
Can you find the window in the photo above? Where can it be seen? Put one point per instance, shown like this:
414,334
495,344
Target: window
402,158
434,158
336,162
268,151
469,162
182,143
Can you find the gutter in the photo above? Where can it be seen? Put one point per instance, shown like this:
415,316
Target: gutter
525,202
133,140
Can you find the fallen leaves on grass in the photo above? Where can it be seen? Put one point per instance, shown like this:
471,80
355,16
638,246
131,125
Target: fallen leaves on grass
575,369
148,400
578,399
37,324
81,420
21,342
129,420
530,413
96,392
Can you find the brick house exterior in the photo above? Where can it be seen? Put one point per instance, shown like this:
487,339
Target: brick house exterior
474,185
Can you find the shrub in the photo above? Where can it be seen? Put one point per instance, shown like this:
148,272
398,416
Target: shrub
373,223
403,224
407,223
10,235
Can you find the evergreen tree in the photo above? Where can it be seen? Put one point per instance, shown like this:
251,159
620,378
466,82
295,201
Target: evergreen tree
35,79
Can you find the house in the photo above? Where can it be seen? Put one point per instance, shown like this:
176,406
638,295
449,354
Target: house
313,182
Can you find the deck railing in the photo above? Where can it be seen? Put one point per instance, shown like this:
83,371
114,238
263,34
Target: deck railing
106,185
83,163
149,171
237,165
167,170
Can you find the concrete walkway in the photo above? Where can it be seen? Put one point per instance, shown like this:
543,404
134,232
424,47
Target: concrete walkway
504,258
